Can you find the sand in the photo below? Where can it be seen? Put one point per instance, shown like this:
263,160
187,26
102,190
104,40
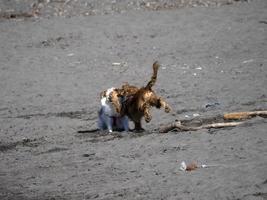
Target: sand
213,60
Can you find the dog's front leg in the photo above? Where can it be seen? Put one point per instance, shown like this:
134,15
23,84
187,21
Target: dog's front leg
138,126
163,104
109,123
101,122
147,114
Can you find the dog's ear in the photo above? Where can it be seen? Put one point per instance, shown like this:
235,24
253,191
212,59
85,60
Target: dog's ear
103,94
120,92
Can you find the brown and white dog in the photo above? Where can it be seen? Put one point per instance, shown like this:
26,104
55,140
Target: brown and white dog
138,101
119,104
109,115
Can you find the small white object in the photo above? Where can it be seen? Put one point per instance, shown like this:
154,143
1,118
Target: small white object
183,166
199,68
186,116
196,115
70,54
204,166
116,64
122,64
195,74
248,61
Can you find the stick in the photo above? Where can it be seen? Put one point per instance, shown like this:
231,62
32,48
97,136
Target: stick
180,127
244,115
221,125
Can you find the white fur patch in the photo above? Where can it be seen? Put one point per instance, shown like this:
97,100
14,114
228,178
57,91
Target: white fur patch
108,118
107,106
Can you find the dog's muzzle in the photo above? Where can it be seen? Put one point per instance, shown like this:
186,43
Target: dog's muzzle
109,98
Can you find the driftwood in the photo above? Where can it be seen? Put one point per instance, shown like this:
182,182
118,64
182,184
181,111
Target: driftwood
244,115
177,125
226,122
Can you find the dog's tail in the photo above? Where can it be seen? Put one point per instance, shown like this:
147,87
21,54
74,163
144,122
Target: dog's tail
153,79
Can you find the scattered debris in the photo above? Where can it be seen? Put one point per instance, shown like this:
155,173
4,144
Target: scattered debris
88,154
192,166
196,115
263,22
70,8
25,142
179,127
16,15
70,54
212,105
226,121
248,61
116,64
123,64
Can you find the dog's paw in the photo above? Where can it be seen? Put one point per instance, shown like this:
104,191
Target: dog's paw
167,109
139,130
148,118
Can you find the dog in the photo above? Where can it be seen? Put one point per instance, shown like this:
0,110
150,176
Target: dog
138,101
109,115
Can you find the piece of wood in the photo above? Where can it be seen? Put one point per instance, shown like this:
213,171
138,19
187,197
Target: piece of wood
244,115
221,125
177,125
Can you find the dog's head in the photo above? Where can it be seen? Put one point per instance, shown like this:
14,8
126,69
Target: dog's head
111,97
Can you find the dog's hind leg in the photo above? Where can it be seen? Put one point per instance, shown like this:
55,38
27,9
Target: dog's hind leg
122,123
125,123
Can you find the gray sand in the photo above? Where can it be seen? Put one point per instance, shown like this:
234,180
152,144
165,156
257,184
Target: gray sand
52,69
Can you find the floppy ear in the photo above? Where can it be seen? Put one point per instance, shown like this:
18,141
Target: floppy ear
120,92
103,94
